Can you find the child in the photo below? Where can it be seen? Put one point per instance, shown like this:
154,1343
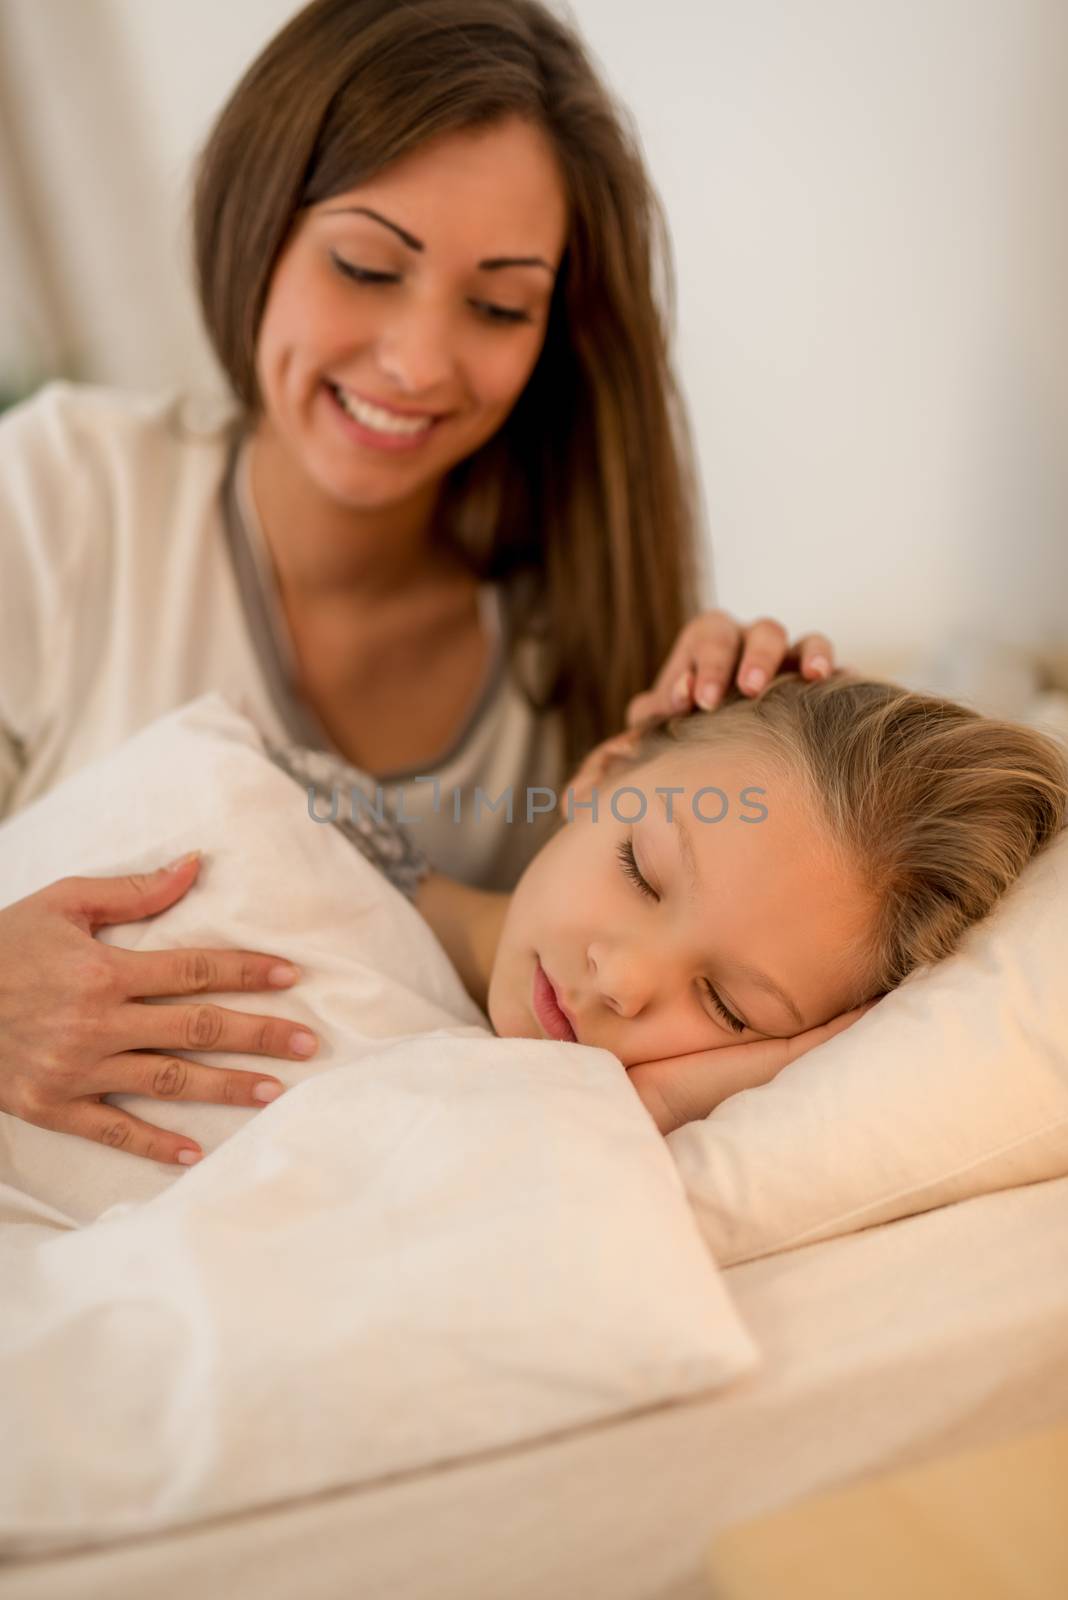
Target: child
790,860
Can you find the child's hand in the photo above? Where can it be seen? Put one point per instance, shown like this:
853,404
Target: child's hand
682,1089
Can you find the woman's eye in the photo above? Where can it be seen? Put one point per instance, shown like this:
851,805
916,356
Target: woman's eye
492,313
349,269
501,313
625,852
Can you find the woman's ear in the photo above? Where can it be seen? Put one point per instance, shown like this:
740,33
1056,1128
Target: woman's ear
602,760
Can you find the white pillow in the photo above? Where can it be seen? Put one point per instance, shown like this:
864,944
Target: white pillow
954,1085
271,879
438,1242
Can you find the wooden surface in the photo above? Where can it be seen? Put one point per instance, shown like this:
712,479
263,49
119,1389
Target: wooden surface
989,1525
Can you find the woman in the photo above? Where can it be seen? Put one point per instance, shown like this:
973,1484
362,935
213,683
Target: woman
446,531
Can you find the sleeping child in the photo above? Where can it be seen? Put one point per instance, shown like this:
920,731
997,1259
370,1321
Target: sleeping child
758,877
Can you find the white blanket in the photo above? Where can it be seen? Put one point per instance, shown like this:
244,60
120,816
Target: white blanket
436,1243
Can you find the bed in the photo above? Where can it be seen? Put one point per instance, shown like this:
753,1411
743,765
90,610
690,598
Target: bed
888,1346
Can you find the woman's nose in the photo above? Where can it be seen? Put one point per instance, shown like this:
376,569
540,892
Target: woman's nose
416,351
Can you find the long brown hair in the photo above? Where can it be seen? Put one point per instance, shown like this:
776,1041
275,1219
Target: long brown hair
584,504
936,808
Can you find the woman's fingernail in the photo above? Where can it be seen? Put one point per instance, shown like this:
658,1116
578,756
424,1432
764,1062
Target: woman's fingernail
189,1158
303,1043
755,678
680,694
708,696
821,665
266,1092
282,974
183,861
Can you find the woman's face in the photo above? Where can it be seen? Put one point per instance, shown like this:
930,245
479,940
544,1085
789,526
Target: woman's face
460,242
640,970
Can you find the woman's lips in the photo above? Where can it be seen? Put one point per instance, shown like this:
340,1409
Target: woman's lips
386,405
389,443
547,1009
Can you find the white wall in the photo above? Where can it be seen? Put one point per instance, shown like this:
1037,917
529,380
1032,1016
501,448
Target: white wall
868,202
108,101
867,199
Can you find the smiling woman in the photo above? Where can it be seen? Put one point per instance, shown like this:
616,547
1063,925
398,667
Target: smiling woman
443,327
436,277
372,337
441,288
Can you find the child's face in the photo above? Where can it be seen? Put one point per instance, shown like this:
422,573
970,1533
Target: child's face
634,970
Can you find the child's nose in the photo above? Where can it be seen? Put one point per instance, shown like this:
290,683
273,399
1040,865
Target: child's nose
622,978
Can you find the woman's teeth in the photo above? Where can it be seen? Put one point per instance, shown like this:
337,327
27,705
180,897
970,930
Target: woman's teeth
380,421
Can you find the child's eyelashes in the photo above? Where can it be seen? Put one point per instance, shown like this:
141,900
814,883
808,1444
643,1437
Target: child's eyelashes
733,1022
625,852
631,870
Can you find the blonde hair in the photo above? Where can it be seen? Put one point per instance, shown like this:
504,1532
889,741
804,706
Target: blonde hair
584,505
936,808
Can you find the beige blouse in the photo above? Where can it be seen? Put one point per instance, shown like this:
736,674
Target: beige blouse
134,576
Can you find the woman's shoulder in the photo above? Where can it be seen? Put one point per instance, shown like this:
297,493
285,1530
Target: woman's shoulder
65,418
90,474
76,460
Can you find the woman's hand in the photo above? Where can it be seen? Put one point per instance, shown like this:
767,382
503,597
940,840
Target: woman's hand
686,1088
713,648
73,1029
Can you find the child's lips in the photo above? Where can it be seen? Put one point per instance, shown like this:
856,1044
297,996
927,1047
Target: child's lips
564,1009
550,1014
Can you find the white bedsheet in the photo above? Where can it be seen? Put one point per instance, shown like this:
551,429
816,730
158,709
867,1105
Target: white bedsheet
895,1343
445,1247
437,1242
906,1341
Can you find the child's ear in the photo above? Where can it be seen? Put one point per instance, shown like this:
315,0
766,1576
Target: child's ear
602,760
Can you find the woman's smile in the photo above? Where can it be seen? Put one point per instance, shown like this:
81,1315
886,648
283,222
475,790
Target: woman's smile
373,426
411,355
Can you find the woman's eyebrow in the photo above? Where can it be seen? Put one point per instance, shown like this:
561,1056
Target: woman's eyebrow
492,264
760,980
